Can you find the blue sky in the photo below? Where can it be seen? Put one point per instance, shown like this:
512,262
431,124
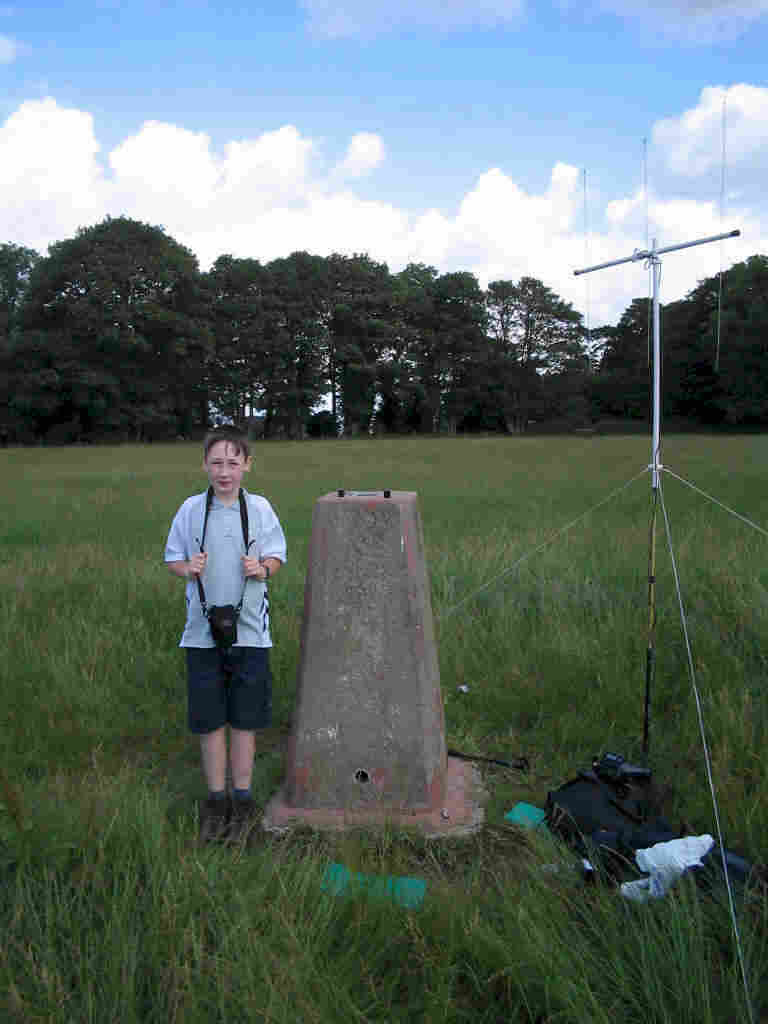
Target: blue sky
451,133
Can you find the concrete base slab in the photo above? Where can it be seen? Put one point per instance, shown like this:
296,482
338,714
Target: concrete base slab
460,812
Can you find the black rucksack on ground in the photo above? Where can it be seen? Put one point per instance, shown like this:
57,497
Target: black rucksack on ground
608,812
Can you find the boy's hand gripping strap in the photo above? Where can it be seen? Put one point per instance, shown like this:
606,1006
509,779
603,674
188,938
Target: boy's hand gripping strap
243,523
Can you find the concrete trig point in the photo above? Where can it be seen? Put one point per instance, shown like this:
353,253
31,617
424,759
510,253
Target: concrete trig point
368,739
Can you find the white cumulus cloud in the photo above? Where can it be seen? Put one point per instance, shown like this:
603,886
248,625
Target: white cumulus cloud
692,142
171,175
269,195
166,163
50,179
364,153
277,160
674,221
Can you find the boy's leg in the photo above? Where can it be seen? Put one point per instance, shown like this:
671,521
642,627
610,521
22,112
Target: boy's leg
213,747
250,705
207,713
242,749
215,812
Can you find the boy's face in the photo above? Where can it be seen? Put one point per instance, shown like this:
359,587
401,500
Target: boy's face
225,466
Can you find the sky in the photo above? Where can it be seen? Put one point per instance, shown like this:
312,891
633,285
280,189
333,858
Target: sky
501,137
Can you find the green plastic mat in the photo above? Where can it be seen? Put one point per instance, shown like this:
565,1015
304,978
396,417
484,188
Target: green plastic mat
526,815
405,892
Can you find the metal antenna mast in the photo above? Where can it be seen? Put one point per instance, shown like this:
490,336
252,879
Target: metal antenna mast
651,257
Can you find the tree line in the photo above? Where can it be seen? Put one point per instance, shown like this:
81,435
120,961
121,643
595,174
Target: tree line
116,334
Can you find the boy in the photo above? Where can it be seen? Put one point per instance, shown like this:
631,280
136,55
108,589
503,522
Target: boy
227,684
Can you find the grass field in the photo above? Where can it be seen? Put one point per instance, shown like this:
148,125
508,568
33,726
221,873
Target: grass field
109,910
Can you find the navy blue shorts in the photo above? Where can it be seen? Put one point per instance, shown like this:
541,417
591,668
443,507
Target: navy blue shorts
233,686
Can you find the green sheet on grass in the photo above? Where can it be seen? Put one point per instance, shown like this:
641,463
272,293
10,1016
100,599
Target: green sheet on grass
526,815
406,892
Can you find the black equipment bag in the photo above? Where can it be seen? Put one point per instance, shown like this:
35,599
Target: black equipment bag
608,812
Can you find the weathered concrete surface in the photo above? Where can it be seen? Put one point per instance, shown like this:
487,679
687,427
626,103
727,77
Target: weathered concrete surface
461,811
368,740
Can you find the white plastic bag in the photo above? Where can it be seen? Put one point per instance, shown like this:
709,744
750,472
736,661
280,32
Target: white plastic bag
664,863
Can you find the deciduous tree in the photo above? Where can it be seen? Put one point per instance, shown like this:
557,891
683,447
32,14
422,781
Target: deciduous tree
117,306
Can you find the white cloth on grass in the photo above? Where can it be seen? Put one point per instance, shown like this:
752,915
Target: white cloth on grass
665,863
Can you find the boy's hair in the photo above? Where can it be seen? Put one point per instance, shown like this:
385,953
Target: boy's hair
231,435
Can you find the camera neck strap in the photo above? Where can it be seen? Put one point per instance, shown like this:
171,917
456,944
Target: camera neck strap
244,524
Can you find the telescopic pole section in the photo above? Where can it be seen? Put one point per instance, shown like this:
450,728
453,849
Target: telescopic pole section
656,439
650,656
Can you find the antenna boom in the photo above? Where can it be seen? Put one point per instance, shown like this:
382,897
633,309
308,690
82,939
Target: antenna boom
651,254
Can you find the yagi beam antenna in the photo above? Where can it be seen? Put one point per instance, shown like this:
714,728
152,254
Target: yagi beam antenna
652,257
647,254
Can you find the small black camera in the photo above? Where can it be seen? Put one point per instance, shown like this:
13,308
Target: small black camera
613,768
223,621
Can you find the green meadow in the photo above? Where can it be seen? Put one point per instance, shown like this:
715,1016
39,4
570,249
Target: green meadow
110,910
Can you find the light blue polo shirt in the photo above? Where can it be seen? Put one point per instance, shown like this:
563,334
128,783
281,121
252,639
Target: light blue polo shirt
223,578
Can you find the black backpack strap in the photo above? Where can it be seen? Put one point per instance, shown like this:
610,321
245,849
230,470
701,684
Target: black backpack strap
201,592
208,503
244,519
243,523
